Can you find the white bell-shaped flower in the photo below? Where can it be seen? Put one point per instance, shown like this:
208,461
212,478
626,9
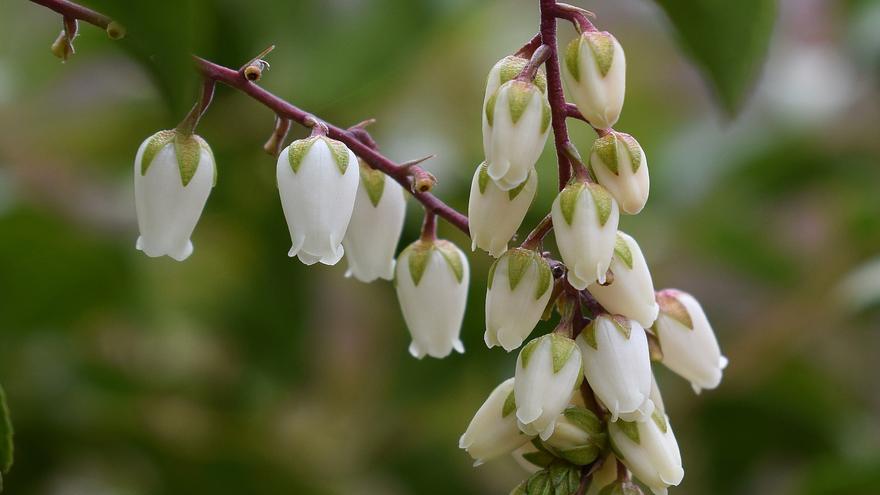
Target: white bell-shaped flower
617,366
595,72
687,341
376,223
520,284
604,476
631,291
516,123
318,182
507,69
173,176
432,279
547,372
649,449
618,162
579,436
495,214
585,218
531,458
493,431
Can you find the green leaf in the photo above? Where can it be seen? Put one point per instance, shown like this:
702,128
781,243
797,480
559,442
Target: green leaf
562,348
518,262
419,255
519,95
605,148
572,58
539,458
526,353
340,153
297,151
545,275
452,256
6,447
490,109
603,201
602,45
622,251
589,335
568,200
728,40
189,152
483,177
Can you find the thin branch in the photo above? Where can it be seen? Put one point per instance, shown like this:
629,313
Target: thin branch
554,88
70,9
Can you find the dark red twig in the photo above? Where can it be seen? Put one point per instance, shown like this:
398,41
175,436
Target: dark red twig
554,88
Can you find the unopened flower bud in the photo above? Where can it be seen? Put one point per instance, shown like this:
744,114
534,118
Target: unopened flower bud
585,218
516,123
507,69
495,214
631,293
689,346
595,72
618,162
493,430
432,279
617,366
649,449
318,181
173,176
547,371
579,436
518,291
376,223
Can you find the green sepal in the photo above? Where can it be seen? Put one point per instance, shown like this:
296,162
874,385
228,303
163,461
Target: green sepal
635,151
419,254
602,45
483,177
490,108
340,152
670,305
491,277
584,419
154,146
512,65
518,262
452,256
562,348
297,151
509,405
541,458
630,429
568,200
605,148
546,115
545,276
519,94
526,353
513,193
572,58
6,434
622,251
603,200
660,420
559,478
589,335
373,181
206,147
188,152
539,484
581,456
623,325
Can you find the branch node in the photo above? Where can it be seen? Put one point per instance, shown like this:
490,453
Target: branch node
422,180
115,30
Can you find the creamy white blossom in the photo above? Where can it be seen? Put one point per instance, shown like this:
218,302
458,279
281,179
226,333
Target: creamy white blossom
317,181
495,214
431,278
376,223
507,69
617,365
520,284
173,176
595,73
548,370
530,458
687,341
579,436
585,218
493,430
631,291
649,449
516,123
619,163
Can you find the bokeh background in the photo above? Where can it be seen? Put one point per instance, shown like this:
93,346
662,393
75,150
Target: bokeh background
242,371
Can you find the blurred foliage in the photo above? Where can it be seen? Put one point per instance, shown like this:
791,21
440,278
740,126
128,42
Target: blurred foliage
242,371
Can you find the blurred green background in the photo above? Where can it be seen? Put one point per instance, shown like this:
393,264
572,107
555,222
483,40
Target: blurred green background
242,371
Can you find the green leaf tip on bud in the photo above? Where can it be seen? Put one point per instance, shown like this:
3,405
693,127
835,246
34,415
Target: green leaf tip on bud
670,305
420,253
115,30
622,251
373,181
602,45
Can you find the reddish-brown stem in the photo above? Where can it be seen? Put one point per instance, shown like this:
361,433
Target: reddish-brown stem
537,59
576,16
572,111
554,88
70,9
536,236
191,121
429,227
276,141
529,48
